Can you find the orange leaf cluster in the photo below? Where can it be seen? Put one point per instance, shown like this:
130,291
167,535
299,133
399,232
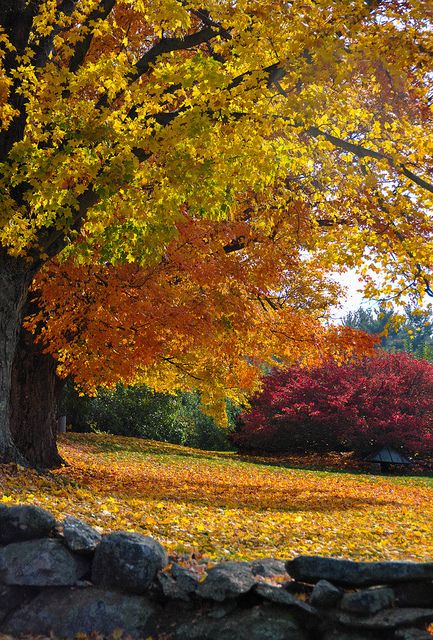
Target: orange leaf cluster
224,299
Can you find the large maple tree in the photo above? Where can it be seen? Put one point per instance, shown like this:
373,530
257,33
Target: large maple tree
121,119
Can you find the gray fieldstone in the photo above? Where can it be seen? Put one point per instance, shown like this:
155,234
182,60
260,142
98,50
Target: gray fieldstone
227,580
357,574
13,597
268,567
222,610
344,634
24,522
368,601
66,612
185,579
257,623
170,588
280,596
127,561
325,595
412,634
40,563
414,594
79,536
387,619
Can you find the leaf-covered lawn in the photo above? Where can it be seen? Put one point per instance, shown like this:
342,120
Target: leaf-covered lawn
223,506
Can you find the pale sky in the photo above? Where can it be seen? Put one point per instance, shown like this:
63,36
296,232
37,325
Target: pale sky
353,299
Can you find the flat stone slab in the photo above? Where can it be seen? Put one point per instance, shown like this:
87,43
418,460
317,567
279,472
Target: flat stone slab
311,569
412,634
24,522
40,563
368,601
66,612
268,567
387,619
227,580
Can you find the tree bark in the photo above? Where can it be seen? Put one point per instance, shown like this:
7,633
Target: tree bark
15,277
35,395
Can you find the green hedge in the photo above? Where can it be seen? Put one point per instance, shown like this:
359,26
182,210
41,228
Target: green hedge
138,411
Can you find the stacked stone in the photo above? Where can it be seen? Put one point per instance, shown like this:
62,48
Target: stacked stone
64,579
368,600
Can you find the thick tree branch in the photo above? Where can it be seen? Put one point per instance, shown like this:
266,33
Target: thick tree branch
237,244
165,45
206,19
416,179
45,45
83,46
169,45
16,18
52,243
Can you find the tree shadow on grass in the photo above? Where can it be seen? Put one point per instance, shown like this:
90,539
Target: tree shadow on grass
357,467
224,494
346,465
169,481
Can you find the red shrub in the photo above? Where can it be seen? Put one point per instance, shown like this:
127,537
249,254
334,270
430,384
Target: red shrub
386,400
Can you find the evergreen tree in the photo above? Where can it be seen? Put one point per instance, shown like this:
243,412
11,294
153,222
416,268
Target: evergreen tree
413,335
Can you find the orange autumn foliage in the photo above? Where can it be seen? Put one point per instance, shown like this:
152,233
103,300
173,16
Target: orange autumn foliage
208,315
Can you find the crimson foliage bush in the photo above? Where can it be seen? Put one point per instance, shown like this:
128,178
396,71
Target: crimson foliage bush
386,400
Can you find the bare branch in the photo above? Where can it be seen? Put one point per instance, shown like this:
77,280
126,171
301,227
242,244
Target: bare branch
363,152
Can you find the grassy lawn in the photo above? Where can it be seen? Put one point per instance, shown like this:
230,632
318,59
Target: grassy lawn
227,507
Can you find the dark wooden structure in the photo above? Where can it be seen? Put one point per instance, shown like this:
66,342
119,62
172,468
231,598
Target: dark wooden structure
387,457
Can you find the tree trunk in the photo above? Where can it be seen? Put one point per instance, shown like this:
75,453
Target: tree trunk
34,403
15,277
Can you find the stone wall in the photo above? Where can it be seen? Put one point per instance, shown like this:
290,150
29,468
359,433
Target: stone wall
64,578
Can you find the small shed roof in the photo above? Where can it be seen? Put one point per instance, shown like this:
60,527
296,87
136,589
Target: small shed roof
388,454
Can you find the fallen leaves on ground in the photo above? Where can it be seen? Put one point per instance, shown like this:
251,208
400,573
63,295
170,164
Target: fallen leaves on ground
224,506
